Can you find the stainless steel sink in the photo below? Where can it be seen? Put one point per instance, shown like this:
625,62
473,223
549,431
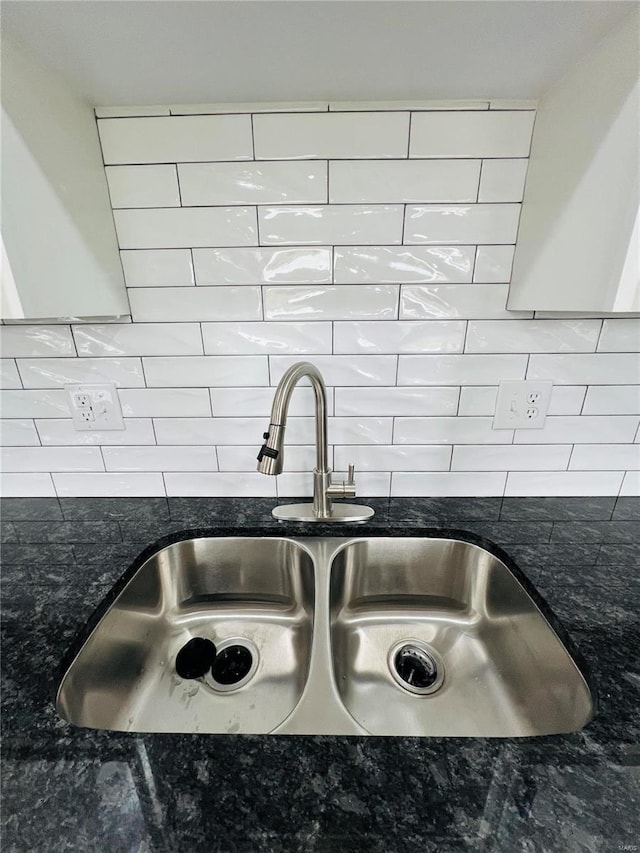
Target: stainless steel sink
369,636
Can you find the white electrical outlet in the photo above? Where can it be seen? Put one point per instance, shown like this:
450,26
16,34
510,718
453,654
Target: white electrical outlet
522,405
95,406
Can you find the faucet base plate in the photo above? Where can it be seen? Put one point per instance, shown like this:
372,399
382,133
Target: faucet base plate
339,513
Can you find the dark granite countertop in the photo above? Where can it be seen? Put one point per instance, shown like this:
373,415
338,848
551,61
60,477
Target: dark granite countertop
71,789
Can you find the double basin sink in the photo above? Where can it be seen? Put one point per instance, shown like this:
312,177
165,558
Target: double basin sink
414,636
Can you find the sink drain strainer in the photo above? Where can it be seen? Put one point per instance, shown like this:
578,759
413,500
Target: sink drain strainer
416,667
235,664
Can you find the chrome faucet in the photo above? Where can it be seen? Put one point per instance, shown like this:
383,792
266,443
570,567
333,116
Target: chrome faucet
270,458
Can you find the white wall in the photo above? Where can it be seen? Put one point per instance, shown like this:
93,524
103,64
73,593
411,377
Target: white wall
377,244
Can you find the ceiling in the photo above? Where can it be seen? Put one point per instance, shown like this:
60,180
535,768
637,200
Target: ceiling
211,51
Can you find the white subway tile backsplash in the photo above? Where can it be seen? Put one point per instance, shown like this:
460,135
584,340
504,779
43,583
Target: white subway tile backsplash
160,458
33,341
309,265
62,432
175,139
396,401
463,301
343,370
143,186
55,372
203,371
165,402
9,376
26,486
453,430
326,302
631,484
388,181
605,457
243,338
326,135
18,433
471,223
138,339
580,429
586,369
342,224
176,304
185,227
460,369
447,484
479,400
183,431
612,400
399,336
358,430
471,134
370,484
511,457
36,459
532,335
221,485
562,483
256,402
393,458
493,264
620,336
397,265
34,404
157,267
109,485
239,458
566,399
253,183
503,180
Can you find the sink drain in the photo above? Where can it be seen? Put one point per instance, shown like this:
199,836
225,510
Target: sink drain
235,664
416,667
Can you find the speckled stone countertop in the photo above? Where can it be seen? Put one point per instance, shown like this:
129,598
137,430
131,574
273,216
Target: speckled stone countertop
71,789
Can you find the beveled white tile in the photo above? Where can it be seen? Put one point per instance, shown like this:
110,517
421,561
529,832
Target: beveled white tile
335,224
165,402
138,339
250,107
175,139
54,372
18,433
220,485
447,484
453,430
26,486
510,457
243,338
581,429
35,404
471,134
392,458
463,301
586,369
343,370
327,302
399,336
493,264
563,483
18,459
503,180
109,485
243,458
566,399
370,484
327,135
605,457
460,369
206,370
372,106
188,431
185,227
388,181
391,265
176,304
309,265
620,336
478,400
481,400
359,430
160,458
396,401
532,335
157,267
9,376
612,400
122,112
471,223
256,402
266,182
33,341
143,186
62,432
630,485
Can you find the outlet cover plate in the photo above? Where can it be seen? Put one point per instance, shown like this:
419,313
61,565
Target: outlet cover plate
95,407
522,404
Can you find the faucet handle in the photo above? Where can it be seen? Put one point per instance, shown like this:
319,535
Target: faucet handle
351,476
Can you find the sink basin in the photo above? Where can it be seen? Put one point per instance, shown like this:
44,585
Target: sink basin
256,593
438,637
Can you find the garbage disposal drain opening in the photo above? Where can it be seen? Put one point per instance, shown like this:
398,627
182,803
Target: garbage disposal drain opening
235,664
416,667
